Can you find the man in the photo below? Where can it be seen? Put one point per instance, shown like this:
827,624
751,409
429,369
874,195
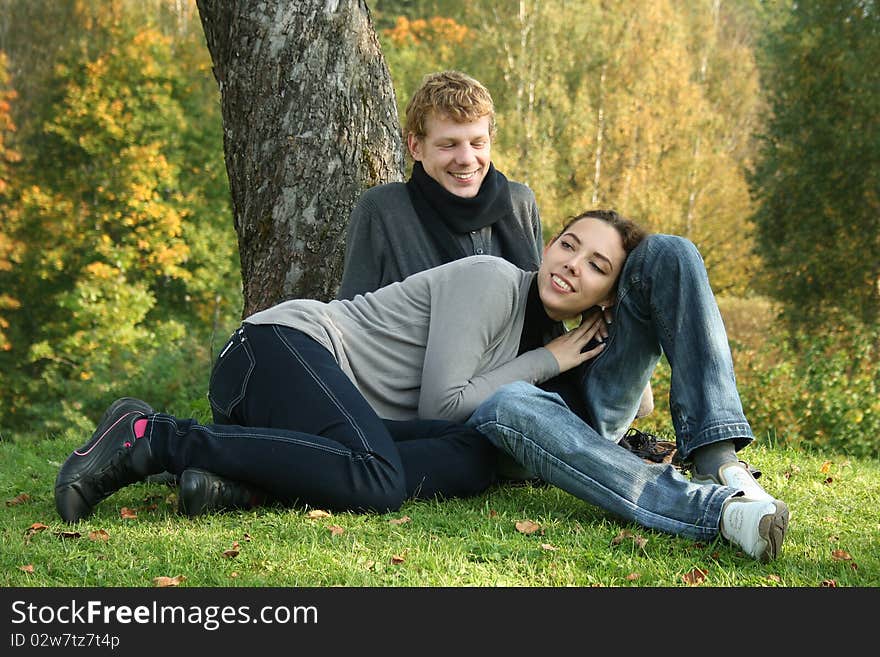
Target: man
455,204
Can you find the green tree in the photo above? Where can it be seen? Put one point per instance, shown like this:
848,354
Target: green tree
125,222
818,175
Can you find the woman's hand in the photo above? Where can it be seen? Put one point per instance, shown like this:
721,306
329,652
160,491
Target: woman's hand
567,348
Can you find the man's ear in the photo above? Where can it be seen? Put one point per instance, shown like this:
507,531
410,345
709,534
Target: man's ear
414,144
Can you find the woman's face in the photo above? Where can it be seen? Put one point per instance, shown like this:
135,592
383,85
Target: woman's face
580,269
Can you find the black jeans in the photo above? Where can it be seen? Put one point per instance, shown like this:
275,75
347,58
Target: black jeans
289,421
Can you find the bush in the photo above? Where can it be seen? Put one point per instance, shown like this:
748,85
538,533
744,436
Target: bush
814,391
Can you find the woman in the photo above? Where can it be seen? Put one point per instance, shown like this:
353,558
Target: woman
299,389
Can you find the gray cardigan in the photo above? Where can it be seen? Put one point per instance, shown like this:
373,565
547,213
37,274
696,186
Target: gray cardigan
386,241
427,346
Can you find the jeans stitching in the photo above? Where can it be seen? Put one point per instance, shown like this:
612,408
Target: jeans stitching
227,411
259,436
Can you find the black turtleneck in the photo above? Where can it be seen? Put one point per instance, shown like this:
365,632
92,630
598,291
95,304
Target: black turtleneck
538,330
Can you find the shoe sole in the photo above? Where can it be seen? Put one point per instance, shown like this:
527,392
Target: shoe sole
772,529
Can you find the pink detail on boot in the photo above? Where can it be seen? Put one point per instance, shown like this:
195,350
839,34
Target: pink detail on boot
140,428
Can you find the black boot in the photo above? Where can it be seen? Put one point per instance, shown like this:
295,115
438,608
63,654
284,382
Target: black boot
110,460
204,492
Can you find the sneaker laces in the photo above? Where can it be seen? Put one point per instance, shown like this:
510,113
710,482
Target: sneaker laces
116,473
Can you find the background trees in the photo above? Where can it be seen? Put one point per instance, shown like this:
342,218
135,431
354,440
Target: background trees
818,176
122,262
750,127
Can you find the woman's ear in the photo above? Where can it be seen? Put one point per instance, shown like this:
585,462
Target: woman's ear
608,302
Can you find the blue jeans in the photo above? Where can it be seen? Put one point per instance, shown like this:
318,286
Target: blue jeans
288,420
665,305
539,431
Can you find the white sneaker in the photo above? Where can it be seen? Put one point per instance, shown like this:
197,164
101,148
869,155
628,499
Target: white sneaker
757,526
736,475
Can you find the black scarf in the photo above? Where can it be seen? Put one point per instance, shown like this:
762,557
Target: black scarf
446,215
538,330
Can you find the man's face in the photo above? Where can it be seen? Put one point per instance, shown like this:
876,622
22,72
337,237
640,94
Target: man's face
456,155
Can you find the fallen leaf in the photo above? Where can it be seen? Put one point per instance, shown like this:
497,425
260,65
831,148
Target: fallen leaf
28,569
399,521
336,530
18,499
547,546
317,513
492,513
633,576
99,535
826,466
527,527
840,555
639,540
233,574
150,507
397,559
854,566
828,480
127,514
246,537
619,538
774,578
168,581
829,584
33,529
230,554
696,577
68,534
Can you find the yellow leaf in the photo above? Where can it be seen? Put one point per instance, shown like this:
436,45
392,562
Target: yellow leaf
163,581
527,527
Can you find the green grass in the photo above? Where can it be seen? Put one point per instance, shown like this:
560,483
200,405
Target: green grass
834,502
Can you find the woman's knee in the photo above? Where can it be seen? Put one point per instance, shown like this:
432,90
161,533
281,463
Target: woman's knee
673,247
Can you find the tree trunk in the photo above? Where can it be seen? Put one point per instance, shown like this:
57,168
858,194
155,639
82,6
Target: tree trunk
309,122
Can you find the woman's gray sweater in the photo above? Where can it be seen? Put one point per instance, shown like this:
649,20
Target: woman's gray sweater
434,345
